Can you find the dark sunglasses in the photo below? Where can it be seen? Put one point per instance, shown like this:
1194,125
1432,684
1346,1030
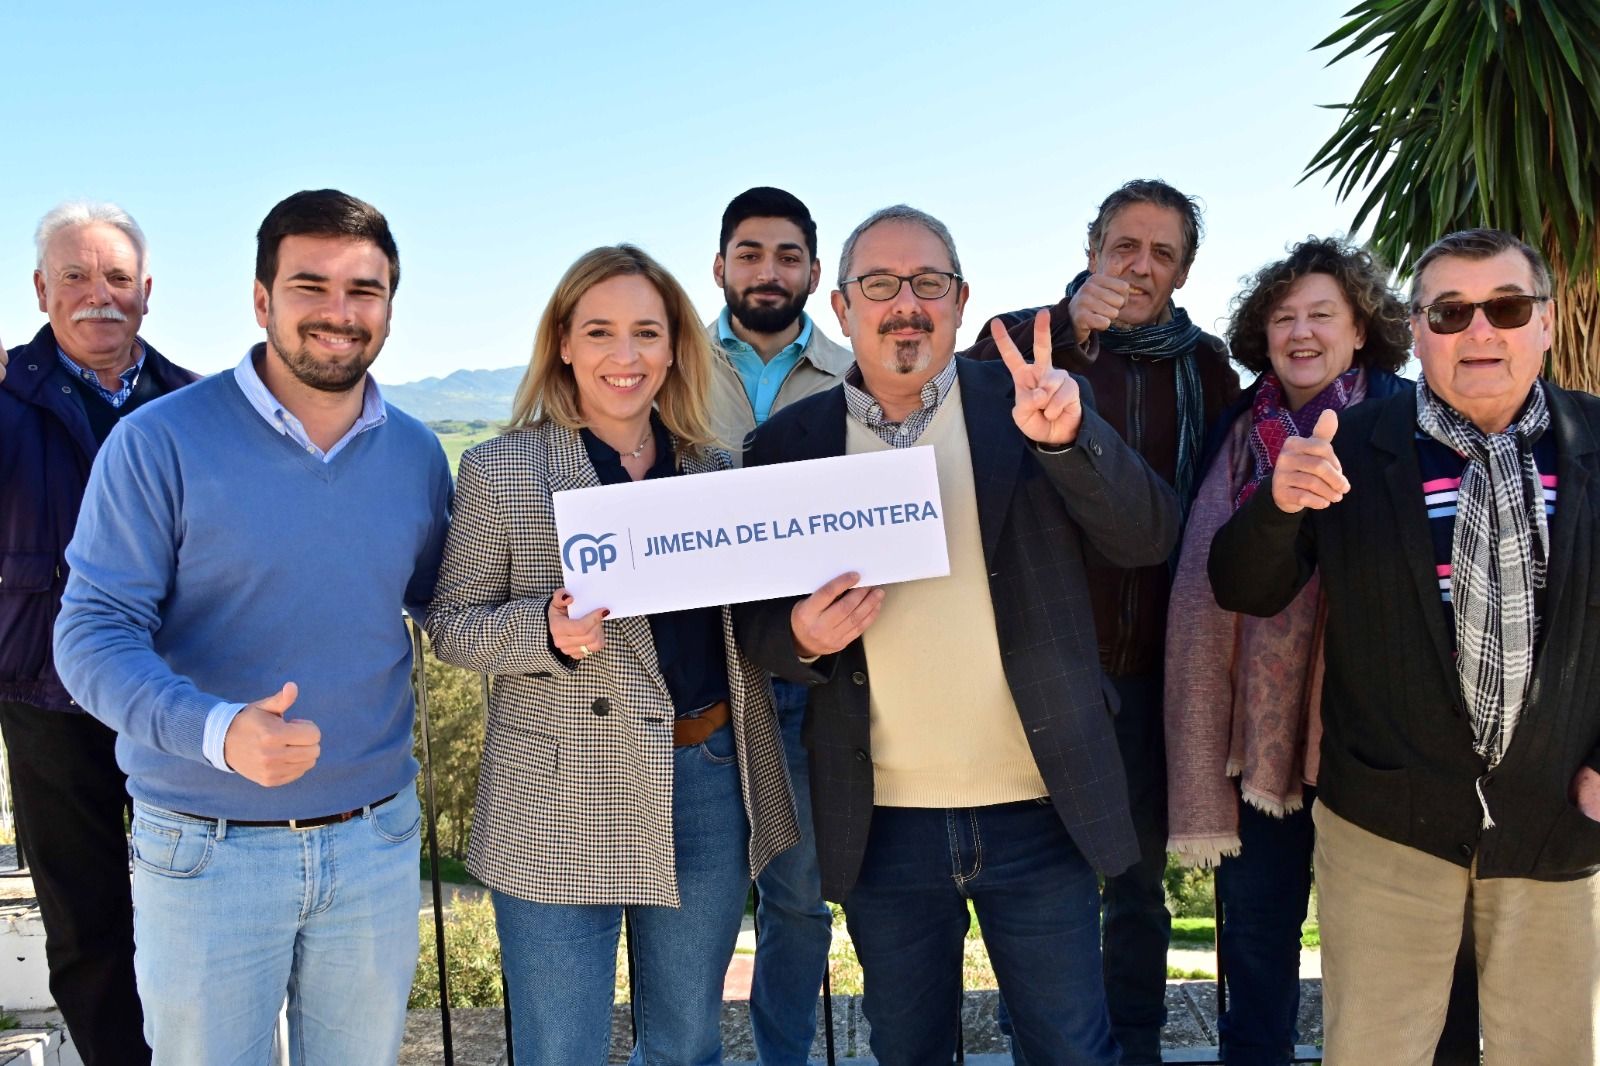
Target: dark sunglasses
1503,312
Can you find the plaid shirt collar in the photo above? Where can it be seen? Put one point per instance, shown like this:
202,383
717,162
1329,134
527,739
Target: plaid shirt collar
129,377
869,412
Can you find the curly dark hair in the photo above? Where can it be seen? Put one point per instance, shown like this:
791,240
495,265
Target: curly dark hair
1364,282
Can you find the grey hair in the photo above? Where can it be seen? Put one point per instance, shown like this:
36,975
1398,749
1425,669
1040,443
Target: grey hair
1481,244
82,213
897,213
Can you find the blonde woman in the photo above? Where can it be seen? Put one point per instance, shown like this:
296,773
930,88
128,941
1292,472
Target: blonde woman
629,763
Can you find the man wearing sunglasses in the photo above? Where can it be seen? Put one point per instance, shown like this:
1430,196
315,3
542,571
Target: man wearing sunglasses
961,746
1455,529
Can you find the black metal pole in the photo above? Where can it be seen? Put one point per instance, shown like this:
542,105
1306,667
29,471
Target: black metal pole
827,1013
633,977
417,653
505,998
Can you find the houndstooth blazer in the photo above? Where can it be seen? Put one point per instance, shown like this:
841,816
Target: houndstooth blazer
575,790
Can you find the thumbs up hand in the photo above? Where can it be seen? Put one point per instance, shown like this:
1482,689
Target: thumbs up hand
1308,473
263,746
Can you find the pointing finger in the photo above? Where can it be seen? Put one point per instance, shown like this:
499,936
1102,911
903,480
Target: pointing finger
1041,340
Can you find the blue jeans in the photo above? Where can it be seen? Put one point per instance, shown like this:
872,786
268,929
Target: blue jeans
229,921
1038,905
560,960
1263,891
794,927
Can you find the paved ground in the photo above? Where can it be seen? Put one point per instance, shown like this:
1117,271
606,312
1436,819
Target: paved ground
479,1035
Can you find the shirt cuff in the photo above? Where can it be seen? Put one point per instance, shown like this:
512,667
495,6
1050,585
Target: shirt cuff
217,722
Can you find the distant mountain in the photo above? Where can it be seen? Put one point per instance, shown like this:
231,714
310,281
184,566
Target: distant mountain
465,395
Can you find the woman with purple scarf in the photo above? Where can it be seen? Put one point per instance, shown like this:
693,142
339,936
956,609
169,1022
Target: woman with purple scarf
1323,330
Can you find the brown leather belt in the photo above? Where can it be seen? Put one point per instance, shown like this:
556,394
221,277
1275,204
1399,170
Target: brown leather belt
687,732
296,823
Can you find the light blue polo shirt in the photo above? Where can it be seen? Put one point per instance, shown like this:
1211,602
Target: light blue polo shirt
762,380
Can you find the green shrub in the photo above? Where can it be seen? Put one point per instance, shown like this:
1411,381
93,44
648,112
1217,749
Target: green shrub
472,952
1190,892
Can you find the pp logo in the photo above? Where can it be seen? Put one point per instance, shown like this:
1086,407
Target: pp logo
590,551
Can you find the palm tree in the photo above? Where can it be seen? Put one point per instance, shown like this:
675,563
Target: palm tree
1481,113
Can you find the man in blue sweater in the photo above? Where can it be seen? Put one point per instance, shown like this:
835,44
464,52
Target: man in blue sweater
245,549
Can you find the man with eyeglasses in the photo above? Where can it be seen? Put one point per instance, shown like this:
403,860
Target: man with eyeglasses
1161,381
1461,743
961,744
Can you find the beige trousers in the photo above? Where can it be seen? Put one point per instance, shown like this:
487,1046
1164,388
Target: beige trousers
1391,921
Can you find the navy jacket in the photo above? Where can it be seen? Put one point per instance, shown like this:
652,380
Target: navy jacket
46,449
1041,515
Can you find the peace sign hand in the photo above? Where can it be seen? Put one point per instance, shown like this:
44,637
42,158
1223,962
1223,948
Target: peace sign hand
1049,409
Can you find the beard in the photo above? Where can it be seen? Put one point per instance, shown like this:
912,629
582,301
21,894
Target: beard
763,318
910,356
338,376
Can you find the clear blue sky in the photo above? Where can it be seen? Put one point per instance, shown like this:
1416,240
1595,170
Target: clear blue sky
504,140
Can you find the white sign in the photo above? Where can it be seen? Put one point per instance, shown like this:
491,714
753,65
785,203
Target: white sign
752,534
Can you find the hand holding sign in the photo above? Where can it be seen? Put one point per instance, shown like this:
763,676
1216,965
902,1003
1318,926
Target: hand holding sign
832,617
576,638
1048,409
264,747
1308,473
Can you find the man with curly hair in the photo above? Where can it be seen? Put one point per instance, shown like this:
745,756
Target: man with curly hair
1159,380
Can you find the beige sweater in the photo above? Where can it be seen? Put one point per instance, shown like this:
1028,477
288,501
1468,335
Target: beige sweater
945,731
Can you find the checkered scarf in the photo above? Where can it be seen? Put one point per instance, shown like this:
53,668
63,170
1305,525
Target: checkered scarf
1498,553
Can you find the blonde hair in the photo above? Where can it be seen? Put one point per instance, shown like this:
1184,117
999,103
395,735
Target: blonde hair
549,391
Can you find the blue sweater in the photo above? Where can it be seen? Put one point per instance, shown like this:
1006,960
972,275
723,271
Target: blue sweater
214,560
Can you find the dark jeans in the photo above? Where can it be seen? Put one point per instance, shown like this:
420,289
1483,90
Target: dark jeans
70,800
1138,926
1037,905
1263,891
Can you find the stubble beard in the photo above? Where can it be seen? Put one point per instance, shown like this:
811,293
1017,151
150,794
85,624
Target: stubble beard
317,374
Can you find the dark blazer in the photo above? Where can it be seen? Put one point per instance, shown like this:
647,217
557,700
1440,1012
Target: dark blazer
1040,515
46,449
1397,754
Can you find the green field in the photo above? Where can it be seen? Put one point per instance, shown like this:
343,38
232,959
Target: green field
457,437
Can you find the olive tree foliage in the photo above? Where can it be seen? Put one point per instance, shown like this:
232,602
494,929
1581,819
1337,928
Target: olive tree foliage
1480,113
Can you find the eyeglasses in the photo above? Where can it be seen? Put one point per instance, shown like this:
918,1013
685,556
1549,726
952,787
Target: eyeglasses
1503,312
931,285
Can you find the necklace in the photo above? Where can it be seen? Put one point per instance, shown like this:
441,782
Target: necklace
649,435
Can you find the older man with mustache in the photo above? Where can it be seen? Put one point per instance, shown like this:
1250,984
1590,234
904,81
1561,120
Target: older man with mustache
960,738
67,388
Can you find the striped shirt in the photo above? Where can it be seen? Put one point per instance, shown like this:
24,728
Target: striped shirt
1442,468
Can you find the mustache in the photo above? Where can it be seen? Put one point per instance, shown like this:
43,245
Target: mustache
759,290
101,314
333,329
915,320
